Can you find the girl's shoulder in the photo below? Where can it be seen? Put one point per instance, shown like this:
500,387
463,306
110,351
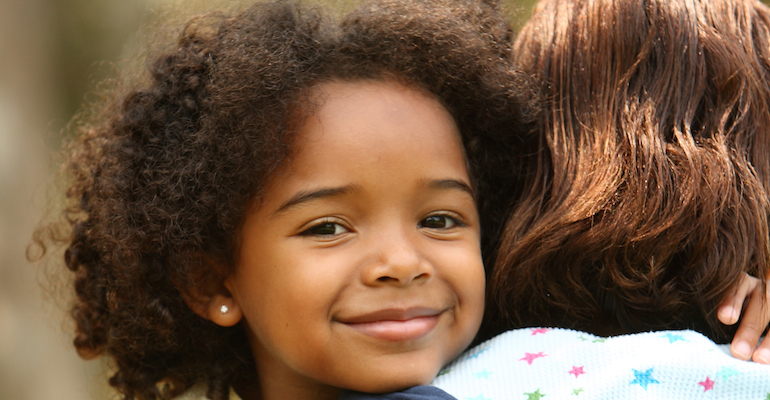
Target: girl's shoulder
198,392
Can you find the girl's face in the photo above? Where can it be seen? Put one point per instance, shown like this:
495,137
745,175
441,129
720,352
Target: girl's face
361,269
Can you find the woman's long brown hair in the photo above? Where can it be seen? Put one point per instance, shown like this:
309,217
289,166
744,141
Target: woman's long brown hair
649,199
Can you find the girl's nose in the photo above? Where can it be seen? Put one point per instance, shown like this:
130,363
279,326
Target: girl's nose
397,261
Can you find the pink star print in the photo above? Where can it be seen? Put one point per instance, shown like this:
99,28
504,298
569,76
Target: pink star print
708,384
539,330
577,371
529,357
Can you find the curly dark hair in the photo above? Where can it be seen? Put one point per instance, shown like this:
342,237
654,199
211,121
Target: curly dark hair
160,179
650,199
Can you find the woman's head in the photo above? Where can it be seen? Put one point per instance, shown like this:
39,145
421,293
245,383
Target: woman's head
164,181
651,200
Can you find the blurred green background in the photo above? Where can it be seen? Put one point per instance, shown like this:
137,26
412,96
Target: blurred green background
53,53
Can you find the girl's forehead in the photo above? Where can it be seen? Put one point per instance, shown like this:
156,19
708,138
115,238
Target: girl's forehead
386,87
378,111
373,122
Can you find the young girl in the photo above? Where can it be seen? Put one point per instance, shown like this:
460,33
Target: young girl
284,207
649,208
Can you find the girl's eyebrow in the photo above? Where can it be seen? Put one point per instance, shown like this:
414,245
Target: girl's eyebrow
451,184
305,196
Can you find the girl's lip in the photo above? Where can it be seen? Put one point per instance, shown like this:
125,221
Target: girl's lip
396,324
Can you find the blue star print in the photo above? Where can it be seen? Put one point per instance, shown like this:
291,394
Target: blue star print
483,374
478,353
727,372
673,338
643,378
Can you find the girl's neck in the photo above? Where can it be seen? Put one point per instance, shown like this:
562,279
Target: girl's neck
252,390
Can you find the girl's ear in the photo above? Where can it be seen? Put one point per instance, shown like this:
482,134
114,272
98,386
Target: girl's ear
208,297
223,310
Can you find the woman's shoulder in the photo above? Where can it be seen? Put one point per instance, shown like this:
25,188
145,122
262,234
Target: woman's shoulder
198,392
561,363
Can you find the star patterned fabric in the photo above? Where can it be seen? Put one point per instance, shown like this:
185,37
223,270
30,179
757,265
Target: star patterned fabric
550,363
643,378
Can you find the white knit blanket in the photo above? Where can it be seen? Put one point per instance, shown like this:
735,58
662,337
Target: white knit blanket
553,364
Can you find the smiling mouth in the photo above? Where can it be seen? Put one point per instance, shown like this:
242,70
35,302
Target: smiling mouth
396,325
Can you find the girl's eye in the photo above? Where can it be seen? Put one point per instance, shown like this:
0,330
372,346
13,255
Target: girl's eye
325,229
439,222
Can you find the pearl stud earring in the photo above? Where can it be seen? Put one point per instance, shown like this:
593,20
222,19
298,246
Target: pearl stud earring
224,309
